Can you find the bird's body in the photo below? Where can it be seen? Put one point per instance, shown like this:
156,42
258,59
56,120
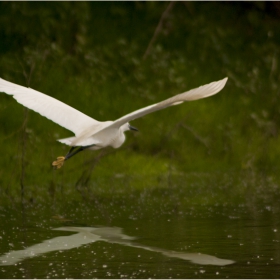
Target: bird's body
90,133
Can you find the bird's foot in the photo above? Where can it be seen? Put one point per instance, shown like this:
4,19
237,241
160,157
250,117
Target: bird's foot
58,163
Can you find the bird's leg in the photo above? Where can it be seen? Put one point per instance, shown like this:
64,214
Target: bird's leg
58,163
71,153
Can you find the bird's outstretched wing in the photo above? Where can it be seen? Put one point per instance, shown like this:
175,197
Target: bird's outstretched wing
193,94
49,107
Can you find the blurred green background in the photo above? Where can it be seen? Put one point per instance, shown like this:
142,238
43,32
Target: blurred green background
105,59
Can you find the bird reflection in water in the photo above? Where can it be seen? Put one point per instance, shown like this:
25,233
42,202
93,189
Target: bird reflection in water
86,235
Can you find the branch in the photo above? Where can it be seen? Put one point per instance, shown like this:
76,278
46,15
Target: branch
159,27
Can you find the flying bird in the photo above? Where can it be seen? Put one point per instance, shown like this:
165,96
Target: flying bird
90,133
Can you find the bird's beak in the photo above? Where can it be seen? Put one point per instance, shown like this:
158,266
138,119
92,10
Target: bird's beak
132,128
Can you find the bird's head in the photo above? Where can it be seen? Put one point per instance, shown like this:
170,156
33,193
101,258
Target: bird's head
127,126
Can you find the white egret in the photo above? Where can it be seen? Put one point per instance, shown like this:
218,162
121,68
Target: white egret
90,133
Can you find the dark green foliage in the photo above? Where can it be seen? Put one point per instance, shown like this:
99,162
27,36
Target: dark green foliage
90,56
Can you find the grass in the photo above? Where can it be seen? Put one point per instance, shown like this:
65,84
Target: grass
91,58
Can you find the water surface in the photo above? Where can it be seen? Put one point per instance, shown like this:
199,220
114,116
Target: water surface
142,234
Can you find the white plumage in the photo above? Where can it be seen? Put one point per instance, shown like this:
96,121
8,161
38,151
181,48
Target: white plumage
90,133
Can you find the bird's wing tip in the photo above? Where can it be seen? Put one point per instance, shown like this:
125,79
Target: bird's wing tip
225,79
223,82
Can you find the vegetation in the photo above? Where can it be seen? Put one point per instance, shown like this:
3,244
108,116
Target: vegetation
94,57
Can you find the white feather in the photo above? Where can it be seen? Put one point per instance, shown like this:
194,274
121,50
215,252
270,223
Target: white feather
89,131
49,107
194,94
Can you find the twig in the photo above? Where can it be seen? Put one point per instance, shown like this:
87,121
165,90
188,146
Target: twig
189,7
23,155
13,133
196,136
27,77
85,177
159,27
175,127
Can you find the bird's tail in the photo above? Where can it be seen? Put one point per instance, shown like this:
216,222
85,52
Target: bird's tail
67,141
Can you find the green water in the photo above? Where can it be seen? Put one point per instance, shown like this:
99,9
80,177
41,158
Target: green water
152,233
